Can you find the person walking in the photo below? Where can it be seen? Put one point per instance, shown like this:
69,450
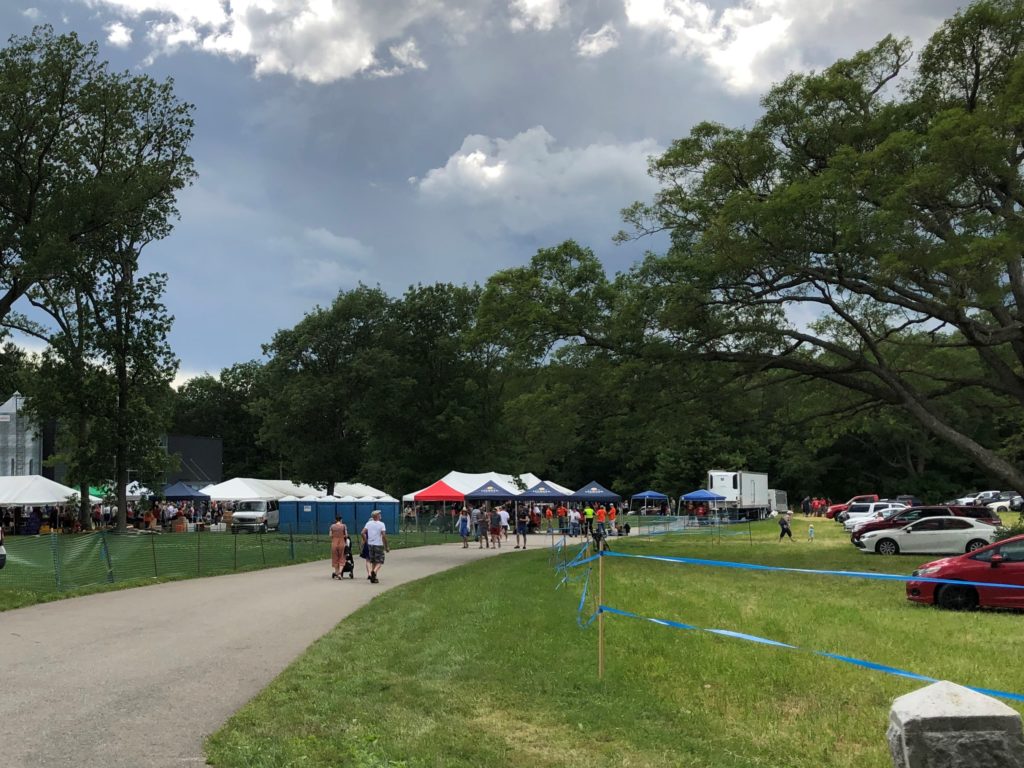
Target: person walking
810,532
574,523
503,514
600,515
339,533
464,528
588,521
805,505
481,526
375,537
496,527
785,529
522,524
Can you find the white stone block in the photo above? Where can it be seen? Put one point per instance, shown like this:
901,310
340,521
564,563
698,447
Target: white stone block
948,726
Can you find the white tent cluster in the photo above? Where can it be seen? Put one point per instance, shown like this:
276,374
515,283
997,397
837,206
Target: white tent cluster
252,489
467,482
35,490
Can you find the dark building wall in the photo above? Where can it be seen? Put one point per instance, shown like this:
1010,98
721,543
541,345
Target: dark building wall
200,459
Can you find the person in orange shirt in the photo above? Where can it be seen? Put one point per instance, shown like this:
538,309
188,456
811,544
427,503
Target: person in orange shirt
601,516
548,514
612,514
563,523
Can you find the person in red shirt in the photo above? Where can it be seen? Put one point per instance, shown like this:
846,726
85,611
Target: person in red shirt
548,515
601,515
612,514
563,523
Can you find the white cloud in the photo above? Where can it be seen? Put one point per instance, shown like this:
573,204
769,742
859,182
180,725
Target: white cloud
32,13
597,43
527,184
322,262
538,14
315,40
118,34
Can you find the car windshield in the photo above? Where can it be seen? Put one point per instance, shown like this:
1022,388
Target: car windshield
250,506
888,513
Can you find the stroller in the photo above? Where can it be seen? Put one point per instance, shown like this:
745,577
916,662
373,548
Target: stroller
350,566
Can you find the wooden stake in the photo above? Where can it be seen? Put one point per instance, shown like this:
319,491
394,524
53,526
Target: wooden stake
600,613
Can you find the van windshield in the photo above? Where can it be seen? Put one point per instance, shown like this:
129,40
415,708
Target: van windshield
251,506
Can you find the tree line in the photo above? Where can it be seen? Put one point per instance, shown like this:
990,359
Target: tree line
838,306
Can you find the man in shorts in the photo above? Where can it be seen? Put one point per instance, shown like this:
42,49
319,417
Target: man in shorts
375,536
496,527
504,521
522,523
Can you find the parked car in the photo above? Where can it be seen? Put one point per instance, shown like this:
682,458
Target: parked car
1000,563
1008,501
910,514
909,501
835,509
935,535
862,513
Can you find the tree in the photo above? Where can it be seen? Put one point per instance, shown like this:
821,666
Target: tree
869,218
84,153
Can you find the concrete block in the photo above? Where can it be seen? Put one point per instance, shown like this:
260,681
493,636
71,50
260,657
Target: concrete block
948,726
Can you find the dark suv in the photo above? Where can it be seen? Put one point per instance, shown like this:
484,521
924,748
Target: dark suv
909,515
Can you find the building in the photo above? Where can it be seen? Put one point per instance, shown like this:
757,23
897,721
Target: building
24,446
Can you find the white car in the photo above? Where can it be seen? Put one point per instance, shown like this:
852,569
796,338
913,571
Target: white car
861,513
931,535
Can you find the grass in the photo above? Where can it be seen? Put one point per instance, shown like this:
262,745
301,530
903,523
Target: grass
45,568
485,665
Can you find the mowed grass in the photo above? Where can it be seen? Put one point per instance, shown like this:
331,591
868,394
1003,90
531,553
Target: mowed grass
486,666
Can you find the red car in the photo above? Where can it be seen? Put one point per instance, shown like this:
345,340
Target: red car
835,509
910,514
1000,563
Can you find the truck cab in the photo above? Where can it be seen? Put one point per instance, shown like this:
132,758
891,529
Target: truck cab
260,516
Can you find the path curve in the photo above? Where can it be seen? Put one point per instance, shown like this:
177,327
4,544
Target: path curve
140,677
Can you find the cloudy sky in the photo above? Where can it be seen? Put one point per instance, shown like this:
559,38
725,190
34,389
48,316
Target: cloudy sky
396,142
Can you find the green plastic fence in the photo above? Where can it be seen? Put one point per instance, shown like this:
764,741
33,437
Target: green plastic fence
62,562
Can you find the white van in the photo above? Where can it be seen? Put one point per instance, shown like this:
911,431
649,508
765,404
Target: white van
260,516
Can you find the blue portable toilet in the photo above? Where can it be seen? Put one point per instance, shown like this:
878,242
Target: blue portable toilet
390,509
307,514
364,506
346,507
326,508
288,510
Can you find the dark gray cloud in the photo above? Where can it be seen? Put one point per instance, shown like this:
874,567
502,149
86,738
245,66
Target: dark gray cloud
421,140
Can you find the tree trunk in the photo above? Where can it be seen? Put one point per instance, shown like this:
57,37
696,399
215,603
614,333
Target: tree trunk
84,506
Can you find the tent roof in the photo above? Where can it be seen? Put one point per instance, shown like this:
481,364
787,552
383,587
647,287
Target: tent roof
439,491
546,492
464,482
181,491
650,495
491,491
702,495
595,492
24,490
252,489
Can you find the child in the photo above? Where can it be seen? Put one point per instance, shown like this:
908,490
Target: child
810,532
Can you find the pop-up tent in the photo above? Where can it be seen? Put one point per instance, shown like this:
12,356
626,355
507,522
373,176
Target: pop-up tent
439,491
702,495
251,489
464,482
649,496
542,492
181,492
491,492
34,490
595,492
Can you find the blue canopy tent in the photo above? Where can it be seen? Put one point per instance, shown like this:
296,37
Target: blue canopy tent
543,492
491,492
595,492
649,496
181,492
702,495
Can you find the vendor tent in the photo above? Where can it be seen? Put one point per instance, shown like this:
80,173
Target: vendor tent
181,492
252,489
702,495
491,492
545,492
464,482
439,491
34,490
595,492
650,496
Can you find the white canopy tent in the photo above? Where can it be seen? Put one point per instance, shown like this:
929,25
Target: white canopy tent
35,490
252,489
466,482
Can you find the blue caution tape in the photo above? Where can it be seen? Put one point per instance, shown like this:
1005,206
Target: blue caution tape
583,599
895,671
848,574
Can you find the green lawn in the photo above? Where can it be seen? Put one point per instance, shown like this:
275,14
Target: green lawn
485,665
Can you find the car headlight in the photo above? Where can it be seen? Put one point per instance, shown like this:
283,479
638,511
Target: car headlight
926,571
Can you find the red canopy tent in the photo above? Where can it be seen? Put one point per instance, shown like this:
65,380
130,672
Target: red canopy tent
439,491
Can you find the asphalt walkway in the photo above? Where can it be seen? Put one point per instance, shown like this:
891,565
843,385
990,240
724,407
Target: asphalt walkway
140,677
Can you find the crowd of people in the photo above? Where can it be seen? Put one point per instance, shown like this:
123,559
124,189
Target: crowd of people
815,506
156,515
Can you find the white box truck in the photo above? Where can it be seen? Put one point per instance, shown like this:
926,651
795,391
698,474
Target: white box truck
746,493
779,499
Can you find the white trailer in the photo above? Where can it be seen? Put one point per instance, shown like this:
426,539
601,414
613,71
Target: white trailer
779,500
746,493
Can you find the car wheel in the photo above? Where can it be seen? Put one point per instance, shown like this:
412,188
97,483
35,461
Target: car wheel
957,598
976,544
887,547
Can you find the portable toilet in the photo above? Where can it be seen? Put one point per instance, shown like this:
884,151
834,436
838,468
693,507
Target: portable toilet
307,514
346,507
364,506
288,511
326,507
390,511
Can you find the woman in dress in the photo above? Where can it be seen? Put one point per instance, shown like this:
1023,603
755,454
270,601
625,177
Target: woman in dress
463,527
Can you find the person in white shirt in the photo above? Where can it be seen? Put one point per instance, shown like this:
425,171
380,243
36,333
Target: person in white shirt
503,513
375,537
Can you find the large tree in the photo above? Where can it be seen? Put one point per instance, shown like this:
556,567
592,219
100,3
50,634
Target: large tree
871,215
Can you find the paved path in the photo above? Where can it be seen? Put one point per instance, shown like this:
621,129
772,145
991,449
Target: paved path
139,678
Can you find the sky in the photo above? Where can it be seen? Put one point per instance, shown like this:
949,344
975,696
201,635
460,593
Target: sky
396,142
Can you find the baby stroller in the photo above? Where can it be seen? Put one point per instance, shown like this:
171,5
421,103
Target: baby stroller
350,566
